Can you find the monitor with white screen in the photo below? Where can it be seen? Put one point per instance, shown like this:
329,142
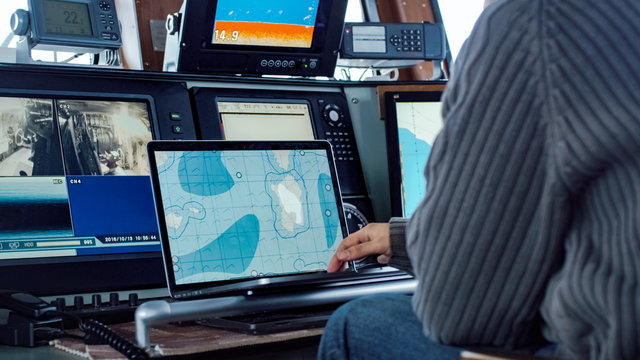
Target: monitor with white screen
265,120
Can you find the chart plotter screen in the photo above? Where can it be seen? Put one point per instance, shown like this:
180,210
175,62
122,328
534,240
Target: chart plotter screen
265,121
234,214
418,124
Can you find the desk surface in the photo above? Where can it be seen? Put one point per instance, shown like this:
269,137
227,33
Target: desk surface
38,353
297,352
187,341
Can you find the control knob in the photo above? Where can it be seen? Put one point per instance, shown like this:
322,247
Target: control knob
60,304
333,115
96,300
355,218
78,302
114,299
133,300
20,22
173,23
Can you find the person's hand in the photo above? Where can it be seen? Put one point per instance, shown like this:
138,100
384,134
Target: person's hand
372,239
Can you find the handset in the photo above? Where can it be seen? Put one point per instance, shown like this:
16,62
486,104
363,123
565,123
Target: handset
25,304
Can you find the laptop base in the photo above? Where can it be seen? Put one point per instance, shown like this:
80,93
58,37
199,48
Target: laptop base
261,323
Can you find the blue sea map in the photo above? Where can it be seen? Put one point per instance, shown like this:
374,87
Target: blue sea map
418,125
241,214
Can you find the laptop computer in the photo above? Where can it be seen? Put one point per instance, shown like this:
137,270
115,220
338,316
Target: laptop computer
244,217
253,218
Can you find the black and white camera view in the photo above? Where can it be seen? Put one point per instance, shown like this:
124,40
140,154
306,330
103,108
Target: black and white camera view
104,137
29,142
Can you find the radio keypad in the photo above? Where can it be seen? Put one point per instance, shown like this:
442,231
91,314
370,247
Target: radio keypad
341,142
104,5
408,40
107,21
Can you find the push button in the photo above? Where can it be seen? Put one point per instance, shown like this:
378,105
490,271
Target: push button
177,129
176,116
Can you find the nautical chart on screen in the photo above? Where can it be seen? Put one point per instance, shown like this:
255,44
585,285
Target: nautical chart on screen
235,214
418,125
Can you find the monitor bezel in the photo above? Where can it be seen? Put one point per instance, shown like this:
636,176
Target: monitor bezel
83,265
392,98
246,284
209,119
196,50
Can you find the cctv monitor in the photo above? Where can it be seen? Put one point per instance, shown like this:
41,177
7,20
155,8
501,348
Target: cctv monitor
75,195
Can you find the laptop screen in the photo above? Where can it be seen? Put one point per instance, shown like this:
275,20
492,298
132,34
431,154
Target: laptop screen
231,211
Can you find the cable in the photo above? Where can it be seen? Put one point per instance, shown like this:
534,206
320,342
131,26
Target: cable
97,332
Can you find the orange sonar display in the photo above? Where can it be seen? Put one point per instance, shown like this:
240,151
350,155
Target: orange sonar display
280,23
262,34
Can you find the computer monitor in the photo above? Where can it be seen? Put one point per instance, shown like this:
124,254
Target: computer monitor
262,120
257,37
75,196
413,120
268,113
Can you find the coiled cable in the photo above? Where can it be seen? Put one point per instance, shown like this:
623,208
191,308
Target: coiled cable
99,333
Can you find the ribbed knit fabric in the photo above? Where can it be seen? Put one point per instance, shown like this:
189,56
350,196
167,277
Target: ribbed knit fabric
533,198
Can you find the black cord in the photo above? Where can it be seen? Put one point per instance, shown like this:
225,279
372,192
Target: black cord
97,331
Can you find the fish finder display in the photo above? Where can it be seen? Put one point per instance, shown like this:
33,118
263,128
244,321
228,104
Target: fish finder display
280,23
74,178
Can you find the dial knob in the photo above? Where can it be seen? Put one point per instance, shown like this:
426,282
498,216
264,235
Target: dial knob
20,22
60,304
173,23
355,218
78,302
333,115
96,300
114,299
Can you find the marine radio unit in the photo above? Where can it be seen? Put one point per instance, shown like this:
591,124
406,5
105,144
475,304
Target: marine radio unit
82,26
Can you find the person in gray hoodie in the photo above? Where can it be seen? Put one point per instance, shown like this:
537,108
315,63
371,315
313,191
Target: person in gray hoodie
529,234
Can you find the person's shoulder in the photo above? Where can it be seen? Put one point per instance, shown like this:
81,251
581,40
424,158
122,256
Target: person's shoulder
499,30
505,14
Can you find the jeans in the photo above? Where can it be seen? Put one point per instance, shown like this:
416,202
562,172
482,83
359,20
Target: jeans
385,327
379,327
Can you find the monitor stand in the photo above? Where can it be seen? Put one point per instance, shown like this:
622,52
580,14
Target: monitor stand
269,322
24,46
158,312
